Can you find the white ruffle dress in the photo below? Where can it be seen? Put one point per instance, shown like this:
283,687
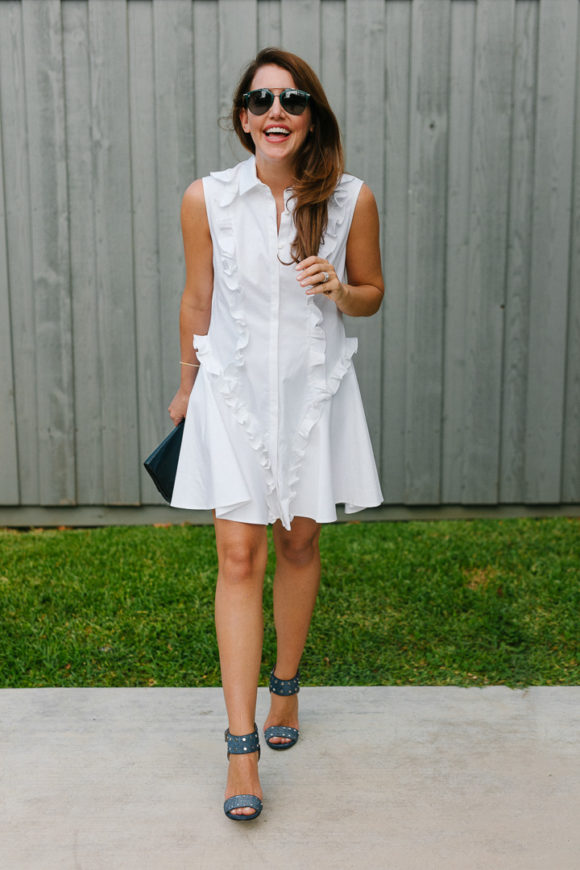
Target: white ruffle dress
275,426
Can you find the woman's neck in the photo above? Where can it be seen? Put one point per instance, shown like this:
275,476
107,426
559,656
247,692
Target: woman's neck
278,177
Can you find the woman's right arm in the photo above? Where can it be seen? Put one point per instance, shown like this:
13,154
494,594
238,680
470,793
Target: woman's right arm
195,310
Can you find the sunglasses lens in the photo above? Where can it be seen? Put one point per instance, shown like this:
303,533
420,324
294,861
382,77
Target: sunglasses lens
294,102
258,102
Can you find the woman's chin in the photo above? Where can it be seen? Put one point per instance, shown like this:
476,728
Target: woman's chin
284,151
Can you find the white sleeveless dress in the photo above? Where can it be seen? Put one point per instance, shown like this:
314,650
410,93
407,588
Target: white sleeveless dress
275,426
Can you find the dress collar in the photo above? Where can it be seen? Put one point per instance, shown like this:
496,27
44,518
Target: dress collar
248,179
248,176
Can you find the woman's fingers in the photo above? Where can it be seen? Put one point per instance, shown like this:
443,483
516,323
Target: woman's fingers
317,276
312,266
178,406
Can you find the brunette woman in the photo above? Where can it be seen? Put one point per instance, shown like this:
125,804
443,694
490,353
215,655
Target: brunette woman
277,249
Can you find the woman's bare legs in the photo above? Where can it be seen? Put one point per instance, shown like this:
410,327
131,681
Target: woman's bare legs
242,551
296,583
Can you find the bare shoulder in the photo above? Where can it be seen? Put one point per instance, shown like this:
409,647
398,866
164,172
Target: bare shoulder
366,204
194,193
193,211
365,220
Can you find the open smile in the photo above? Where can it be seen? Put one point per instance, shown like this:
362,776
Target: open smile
276,133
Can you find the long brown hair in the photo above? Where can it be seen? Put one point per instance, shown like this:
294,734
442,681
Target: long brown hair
320,162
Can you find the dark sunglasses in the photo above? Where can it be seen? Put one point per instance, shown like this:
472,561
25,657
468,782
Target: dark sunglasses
292,101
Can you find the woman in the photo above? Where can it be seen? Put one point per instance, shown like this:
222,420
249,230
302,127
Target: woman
275,430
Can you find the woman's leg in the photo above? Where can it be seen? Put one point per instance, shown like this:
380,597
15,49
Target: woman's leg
242,551
296,583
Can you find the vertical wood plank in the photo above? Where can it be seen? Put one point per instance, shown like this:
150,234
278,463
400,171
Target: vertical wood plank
396,168
332,54
301,29
44,85
426,263
9,490
15,144
457,248
571,447
490,147
113,245
364,140
476,397
145,163
206,87
175,149
82,233
558,29
269,23
517,310
238,44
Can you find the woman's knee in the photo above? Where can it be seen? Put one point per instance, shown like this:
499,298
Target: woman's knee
238,564
298,547
241,556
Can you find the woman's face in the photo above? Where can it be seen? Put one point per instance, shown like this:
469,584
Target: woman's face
277,135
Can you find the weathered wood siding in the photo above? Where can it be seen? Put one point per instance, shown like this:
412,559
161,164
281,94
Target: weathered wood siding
464,118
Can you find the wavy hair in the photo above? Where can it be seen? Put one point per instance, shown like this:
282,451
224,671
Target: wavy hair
320,162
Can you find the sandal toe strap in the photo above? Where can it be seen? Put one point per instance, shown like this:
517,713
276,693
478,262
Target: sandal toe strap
281,731
243,800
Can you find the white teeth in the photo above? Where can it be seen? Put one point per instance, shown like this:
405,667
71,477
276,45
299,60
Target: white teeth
276,130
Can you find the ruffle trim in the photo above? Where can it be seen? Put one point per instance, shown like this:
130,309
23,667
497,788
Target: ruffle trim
229,179
228,379
321,389
337,210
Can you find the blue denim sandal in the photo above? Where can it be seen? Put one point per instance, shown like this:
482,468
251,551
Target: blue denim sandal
245,743
283,687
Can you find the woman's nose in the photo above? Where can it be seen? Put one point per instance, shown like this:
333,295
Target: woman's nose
276,108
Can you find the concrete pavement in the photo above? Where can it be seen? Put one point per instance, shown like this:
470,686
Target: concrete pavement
404,778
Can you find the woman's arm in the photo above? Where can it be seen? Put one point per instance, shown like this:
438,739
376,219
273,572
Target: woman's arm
363,294
195,310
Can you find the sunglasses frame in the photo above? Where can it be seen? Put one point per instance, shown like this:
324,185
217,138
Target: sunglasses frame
281,95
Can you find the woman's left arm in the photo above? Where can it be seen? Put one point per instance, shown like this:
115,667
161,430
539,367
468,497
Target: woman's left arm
363,294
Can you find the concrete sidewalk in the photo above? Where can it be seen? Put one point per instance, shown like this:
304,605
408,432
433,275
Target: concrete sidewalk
382,777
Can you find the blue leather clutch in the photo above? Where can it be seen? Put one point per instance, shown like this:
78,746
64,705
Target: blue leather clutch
162,463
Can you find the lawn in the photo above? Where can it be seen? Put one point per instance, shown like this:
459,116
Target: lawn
466,603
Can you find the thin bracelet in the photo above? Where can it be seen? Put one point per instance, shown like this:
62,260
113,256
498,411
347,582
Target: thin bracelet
193,365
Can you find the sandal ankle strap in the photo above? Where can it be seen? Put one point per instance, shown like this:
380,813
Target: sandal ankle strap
244,743
285,687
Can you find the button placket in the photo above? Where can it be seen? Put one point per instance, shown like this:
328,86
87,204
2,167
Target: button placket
273,360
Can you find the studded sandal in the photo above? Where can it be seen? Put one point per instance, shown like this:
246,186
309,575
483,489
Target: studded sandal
245,743
283,687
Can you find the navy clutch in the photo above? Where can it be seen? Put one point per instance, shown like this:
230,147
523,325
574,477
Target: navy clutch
162,464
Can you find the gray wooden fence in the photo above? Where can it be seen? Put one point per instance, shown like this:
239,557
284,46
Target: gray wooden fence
462,115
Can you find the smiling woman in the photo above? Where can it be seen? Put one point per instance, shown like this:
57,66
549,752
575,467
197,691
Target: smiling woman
320,163
277,248
274,123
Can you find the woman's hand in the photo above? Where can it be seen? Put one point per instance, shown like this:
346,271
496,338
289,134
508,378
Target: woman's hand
178,407
318,276
363,294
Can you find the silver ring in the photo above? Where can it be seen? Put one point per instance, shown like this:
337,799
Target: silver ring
326,277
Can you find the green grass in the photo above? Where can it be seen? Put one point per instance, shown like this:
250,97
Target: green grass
470,602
